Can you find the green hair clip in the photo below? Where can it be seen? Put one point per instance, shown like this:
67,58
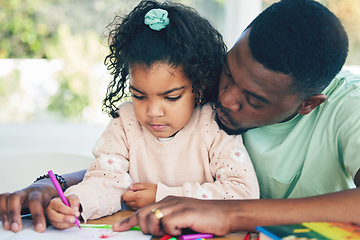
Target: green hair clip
156,19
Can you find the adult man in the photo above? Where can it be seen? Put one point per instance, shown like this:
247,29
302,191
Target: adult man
304,135
303,130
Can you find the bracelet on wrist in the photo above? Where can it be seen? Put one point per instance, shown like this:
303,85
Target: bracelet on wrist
59,178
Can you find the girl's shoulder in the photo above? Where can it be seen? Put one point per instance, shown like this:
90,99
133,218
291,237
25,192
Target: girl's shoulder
210,131
127,116
206,114
125,107
126,111
206,120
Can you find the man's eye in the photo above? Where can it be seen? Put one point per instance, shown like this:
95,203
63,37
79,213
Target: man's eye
138,97
228,75
173,99
226,72
253,101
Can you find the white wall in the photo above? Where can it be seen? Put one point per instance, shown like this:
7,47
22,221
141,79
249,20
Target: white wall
238,15
30,150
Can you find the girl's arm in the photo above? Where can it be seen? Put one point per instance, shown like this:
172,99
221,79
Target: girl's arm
232,169
232,172
107,178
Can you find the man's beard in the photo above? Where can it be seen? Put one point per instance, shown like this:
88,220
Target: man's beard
228,130
218,107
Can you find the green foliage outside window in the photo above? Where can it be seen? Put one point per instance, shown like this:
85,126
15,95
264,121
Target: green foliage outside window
72,30
27,31
21,34
67,102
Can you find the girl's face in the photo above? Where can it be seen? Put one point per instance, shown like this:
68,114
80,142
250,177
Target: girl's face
162,98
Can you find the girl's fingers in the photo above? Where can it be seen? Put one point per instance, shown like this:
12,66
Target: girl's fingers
60,215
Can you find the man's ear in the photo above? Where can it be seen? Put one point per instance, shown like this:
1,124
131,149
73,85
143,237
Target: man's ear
310,103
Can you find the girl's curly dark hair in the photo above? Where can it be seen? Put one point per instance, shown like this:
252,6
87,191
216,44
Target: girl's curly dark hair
188,41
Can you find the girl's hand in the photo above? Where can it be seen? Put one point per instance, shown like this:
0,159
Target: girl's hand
62,216
140,195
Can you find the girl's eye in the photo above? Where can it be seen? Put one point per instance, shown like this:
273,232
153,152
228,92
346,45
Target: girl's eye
173,99
138,97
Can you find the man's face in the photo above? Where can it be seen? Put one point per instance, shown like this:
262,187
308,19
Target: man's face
250,95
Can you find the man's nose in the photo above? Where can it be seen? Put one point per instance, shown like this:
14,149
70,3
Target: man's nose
230,99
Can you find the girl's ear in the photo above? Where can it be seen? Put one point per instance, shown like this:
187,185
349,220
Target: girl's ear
199,101
311,103
199,98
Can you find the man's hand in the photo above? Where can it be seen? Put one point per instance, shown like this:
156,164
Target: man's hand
199,215
140,195
34,197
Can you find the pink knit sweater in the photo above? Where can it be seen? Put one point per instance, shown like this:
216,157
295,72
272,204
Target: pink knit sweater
201,161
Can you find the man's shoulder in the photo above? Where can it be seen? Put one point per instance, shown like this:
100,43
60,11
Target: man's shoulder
349,71
342,85
348,78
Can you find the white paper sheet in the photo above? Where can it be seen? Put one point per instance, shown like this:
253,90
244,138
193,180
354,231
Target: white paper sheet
52,233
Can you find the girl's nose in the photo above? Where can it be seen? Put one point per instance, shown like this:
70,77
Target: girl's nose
155,109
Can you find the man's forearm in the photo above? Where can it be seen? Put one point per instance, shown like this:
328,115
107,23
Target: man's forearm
340,207
70,178
74,178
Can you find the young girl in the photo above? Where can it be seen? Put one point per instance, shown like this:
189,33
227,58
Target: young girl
166,141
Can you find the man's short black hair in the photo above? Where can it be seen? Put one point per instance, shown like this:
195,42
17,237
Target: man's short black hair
301,38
